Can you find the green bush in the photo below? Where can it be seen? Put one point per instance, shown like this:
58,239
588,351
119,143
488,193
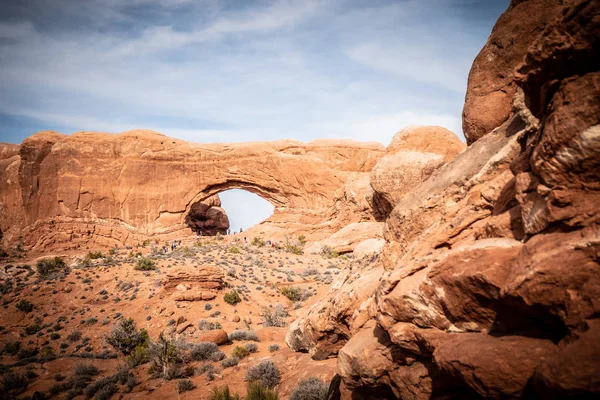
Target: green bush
203,351
125,337
266,373
240,352
292,293
232,298
294,249
256,391
24,305
11,347
165,357
329,252
258,241
223,394
234,250
243,335
138,356
49,266
94,255
32,329
13,381
310,389
145,264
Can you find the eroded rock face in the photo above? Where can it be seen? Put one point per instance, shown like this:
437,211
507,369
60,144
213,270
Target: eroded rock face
98,189
490,286
492,86
413,155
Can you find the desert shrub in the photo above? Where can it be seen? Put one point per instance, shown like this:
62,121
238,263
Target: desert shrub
234,250
47,354
145,264
32,329
275,317
207,307
185,385
310,389
14,380
74,336
258,241
6,286
24,305
24,353
203,351
240,352
125,337
292,293
165,357
294,249
102,389
230,362
302,240
47,267
94,255
205,325
273,348
251,347
85,370
266,373
232,298
243,335
329,252
256,391
223,394
138,356
11,347
54,336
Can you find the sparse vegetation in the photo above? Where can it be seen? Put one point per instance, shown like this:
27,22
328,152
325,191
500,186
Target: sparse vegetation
266,373
165,357
329,252
48,267
125,337
258,241
234,250
275,317
240,352
243,335
94,255
185,385
24,305
256,391
230,362
223,394
295,293
274,347
145,264
203,351
310,389
205,325
232,298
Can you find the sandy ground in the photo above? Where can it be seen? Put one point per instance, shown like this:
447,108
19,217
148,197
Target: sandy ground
98,293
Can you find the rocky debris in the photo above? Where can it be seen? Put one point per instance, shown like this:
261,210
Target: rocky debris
346,239
216,336
492,83
194,284
207,218
413,155
490,266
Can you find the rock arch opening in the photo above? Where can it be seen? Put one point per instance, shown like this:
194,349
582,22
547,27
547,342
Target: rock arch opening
228,211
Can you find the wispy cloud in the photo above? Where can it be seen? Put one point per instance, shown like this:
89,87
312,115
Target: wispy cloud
216,71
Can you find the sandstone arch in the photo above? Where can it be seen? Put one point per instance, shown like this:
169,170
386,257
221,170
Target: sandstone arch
106,189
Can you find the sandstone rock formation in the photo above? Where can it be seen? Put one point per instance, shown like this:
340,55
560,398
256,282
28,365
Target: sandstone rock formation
97,189
207,217
194,284
491,265
413,155
492,85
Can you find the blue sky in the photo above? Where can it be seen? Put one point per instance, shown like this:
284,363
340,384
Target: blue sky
225,71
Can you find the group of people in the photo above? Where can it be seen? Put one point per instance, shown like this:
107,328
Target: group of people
174,245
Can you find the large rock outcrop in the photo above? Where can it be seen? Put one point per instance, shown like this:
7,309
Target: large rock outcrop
98,189
492,87
491,265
